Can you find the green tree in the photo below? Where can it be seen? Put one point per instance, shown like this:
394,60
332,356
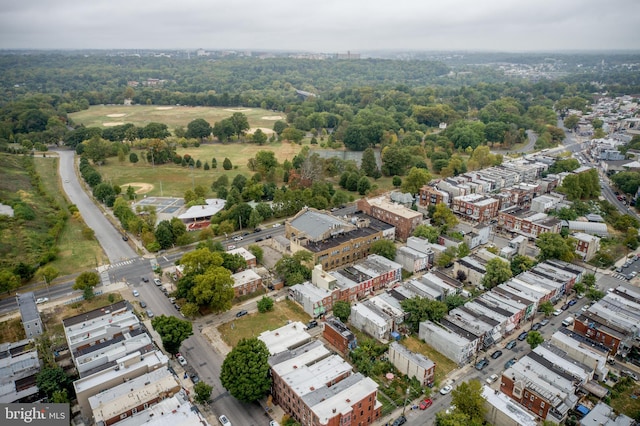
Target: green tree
96,149
8,281
342,310
520,264
421,309
257,251
443,217
571,122
60,397
384,248
368,164
468,399
498,271
172,330
594,294
589,280
534,338
48,274
240,123
428,232
226,164
259,137
52,379
553,246
463,250
190,310
214,287
415,180
279,127
203,392
199,129
364,185
546,307
265,304
86,281
444,259
245,370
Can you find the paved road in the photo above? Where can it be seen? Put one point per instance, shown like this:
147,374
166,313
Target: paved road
109,237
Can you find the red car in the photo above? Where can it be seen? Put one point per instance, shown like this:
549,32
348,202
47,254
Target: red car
426,404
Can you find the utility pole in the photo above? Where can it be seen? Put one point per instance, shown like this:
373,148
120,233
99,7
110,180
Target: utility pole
404,407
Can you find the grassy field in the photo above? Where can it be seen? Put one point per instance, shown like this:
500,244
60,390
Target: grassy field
174,180
172,116
254,324
75,253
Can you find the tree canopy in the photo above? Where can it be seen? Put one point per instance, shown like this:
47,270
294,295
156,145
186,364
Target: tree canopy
173,331
245,370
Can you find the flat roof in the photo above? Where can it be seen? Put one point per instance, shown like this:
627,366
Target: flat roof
285,337
508,407
213,206
174,411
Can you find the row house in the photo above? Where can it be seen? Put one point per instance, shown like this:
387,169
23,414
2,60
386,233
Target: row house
339,336
460,347
29,314
501,410
500,176
425,246
430,196
549,184
524,193
416,288
502,303
529,170
459,185
246,255
544,203
317,388
475,207
472,267
479,235
314,300
332,242
483,326
372,320
587,352
403,219
586,245
562,272
411,364
19,367
516,246
505,199
520,291
390,305
286,338
413,260
553,288
496,313
518,298
528,223
441,281
246,282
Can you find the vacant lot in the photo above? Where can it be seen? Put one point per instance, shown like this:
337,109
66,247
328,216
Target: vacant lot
444,364
172,116
254,324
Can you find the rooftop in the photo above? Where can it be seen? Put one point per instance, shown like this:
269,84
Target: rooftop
286,337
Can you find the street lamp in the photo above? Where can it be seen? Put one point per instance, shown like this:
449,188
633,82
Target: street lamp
404,407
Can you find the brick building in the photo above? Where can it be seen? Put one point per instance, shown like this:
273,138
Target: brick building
527,223
339,336
475,207
382,208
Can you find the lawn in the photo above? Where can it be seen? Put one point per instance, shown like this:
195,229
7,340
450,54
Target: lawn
253,324
172,116
75,253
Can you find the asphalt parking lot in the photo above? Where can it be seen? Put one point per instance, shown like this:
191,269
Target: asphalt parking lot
629,270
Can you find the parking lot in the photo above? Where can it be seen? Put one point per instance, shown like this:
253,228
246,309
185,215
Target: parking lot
629,270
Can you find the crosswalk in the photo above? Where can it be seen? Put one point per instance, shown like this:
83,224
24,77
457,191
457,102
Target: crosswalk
619,276
124,262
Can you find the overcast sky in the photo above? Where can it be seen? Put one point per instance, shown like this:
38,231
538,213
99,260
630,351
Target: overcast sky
321,26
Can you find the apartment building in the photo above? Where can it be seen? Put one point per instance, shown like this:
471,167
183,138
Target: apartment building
403,219
339,336
587,245
246,255
19,366
527,223
430,196
475,207
246,282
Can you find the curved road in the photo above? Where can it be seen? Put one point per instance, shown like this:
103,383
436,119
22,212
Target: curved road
108,236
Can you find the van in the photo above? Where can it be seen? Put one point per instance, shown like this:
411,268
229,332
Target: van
568,321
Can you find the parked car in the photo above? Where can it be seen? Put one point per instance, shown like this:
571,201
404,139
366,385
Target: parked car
157,281
181,359
144,279
492,378
241,313
510,363
125,238
400,421
135,293
312,324
523,336
512,344
142,304
557,312
537,326
40,300
573,302
258,240
627,373
544,322
565,307
426,404
238,238
195,379
224,421
445,390
482,364
150,313
496,355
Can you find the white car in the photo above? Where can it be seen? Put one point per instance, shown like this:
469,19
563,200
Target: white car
445,390
557,312
238,238
492,378
135,293
40,300
157,281
224,421
181,360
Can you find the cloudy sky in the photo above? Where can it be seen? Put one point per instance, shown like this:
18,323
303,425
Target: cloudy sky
322,26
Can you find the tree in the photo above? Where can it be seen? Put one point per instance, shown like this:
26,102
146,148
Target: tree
8,281
463,250
498,271
368,164
96,149
571,122
226,164
428,232
240,123
279,127
443,217
86,281
342,310
190,310
594,294
589,280
48,274
363,185
422,309
521,263
245,370
214,287
52,379
546,307
384,248
198,129
259,137
265,304
172,330
203,392
534,338
468,399
554,246
415,180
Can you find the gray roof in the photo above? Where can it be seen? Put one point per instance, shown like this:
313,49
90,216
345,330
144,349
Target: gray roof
315,224
28,308
593,228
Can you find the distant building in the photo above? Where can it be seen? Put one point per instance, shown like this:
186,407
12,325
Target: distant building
19,366
29,314
402,218
587,245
